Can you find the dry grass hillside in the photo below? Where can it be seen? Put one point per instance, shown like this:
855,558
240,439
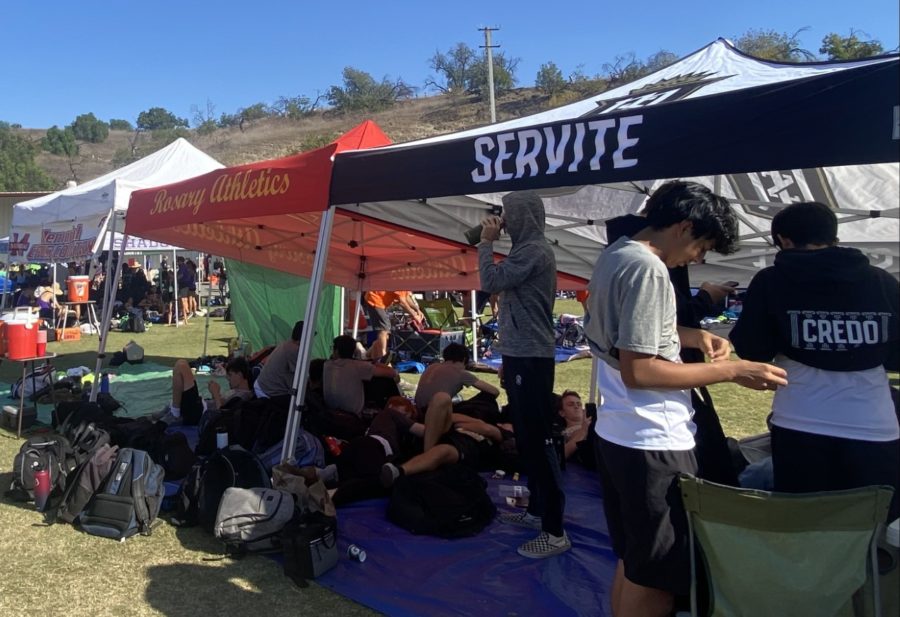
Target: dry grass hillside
276,137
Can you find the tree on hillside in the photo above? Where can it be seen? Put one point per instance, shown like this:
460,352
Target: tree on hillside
550,79
453,69
837,47
659,60
771,45
361,92
18,170
586,85
60,141
296,107
504,75
88,128
120,125
157,118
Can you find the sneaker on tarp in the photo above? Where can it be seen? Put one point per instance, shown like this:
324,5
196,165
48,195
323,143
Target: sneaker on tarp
521,519
389,474
545,545
171,419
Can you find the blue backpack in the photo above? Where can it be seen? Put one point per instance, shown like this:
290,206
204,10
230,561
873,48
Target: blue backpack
309,452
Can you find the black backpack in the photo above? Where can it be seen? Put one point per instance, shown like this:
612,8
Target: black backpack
451,502
129,499
84,481
48,451
199,496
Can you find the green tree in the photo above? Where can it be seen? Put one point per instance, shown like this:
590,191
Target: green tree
296,107
18,170
60,141
659,60
504,75
157,118
837,47
120,125
453,69
586,85
361,92
771,45
88,128
550,79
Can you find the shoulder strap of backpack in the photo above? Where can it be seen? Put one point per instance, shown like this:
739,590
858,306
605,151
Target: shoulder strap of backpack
138,494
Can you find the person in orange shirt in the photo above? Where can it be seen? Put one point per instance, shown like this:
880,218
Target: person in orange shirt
375,305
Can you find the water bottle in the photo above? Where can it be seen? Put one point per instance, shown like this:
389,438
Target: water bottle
334,445
104,383
41,487
221,438
514,490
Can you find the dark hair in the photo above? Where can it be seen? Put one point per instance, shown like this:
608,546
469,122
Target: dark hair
804,223
239,365
561,397
454,352
317,369
709,214
297,332
345,346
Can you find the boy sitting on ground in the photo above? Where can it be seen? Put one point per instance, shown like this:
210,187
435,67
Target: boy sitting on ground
187,407
442,381
344,377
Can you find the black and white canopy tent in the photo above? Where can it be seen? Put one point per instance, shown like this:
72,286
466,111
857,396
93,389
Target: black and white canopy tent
760,133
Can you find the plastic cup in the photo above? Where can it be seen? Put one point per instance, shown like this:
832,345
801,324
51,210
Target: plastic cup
41,349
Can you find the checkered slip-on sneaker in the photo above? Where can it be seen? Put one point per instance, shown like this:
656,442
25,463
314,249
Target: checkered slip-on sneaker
521,519
545,545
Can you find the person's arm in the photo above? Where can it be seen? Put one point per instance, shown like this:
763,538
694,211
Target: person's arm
755,335
408,303
486,388
475,425
643,371
417,429
506,274
216,391
572,439
716,347
383,370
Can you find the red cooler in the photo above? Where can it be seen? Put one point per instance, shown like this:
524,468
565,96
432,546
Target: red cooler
21,339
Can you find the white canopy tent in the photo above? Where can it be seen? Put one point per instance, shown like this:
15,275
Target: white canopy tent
69,225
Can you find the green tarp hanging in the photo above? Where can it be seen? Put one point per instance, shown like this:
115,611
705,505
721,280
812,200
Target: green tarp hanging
266,303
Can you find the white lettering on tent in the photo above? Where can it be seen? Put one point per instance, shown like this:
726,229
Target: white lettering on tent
529,152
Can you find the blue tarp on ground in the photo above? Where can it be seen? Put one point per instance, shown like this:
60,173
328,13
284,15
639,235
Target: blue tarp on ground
562,354
409,575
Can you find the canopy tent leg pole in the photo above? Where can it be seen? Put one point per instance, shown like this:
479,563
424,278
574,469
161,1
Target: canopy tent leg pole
343,311
592,398
109,298
175,298
206,331
357,297
301,372
472,296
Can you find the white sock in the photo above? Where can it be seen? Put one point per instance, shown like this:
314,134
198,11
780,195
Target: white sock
175,411
557,540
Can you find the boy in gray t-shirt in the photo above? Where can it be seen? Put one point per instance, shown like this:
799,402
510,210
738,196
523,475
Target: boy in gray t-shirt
645,434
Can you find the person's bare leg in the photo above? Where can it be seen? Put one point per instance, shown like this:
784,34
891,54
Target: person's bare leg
379,345
438,419
441,454
182,379
615,597
185,307
636,599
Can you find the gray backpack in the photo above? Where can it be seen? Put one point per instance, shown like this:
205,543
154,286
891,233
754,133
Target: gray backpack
251,519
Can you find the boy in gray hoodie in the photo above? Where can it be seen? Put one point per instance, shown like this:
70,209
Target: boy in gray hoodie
526,282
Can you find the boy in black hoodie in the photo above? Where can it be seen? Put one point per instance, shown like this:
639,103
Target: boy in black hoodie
831,320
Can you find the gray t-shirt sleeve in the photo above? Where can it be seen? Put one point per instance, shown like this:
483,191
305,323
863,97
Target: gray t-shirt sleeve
643,302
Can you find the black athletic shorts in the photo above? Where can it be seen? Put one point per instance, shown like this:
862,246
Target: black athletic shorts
473,453
191,406
645,515
377,317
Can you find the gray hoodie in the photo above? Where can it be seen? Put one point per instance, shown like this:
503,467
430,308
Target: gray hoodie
526,280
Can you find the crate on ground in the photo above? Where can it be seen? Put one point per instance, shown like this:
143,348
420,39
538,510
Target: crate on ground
10,417
68,334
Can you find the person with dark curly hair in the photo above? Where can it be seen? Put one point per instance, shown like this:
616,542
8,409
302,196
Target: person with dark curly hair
645,436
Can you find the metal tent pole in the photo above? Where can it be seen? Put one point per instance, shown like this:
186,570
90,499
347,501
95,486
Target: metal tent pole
357,296
109,298
175,298
472,296
301,372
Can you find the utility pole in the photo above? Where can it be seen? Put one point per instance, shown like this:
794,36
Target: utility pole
490,67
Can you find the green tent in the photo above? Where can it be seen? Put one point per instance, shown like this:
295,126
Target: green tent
266,303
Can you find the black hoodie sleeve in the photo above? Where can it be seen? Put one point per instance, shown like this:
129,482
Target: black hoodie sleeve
755,335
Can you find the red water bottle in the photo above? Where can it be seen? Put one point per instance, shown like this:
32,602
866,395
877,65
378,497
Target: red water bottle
334,445
41,488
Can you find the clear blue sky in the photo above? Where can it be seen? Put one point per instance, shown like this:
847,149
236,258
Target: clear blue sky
116,59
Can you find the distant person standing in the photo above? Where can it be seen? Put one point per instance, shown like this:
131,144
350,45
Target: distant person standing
375,305
526,282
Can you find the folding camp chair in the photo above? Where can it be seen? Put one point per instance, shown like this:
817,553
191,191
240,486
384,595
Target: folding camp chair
441,315
785,554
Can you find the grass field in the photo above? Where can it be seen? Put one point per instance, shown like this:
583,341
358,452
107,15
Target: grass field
56,570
